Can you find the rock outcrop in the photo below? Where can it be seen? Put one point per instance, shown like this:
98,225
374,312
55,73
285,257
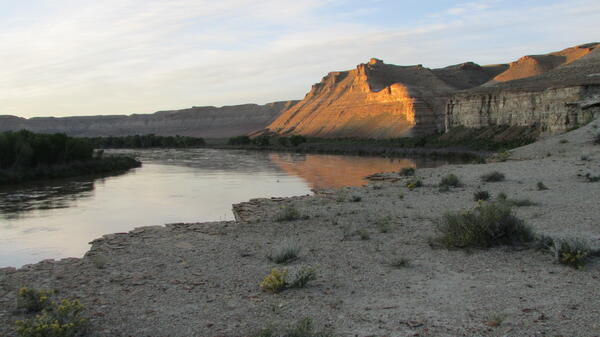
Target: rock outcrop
209,122
378,100
556,91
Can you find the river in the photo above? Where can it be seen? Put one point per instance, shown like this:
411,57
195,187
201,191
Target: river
57,219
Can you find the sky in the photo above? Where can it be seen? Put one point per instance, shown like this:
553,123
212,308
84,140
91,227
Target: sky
83,57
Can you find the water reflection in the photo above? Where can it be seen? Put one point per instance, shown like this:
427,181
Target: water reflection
329,171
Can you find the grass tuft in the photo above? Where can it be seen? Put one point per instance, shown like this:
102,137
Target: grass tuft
481,196
541,186
288,213
285,252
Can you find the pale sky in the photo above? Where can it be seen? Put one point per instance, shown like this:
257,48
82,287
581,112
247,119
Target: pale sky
84,57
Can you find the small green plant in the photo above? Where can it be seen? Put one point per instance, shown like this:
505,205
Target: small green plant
572,252
503,156
494,176
563,141
277,280
597,137
399,262
481,195
501,196
288,213
384,224
60,320
363,234
356,198
490,224
415,183
303,328
450,180
541,187
285,252
302,277
32,300
401,196
407,171
443,189
591,178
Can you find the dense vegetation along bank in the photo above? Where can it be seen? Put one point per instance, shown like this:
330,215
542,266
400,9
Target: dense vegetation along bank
26,156
145,141
460,142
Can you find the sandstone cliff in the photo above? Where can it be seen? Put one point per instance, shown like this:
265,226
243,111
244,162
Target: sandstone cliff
208,122
376,100
562,92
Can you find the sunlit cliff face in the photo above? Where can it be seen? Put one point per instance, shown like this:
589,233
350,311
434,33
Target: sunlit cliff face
327,171
375,100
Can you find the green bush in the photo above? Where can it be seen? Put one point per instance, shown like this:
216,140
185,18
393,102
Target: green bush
415,183
145,141
597,139
450,180
303,328
288,213
262,141
32,300
489,224
494,176
60,320
481,195
541,187
407,171
356,198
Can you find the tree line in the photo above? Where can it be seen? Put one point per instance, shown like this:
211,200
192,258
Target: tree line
145,141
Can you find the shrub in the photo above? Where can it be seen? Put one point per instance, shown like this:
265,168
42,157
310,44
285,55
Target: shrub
414,184
407,171
363,234
356,198
302,277
32,300
399,262
443,188
597,139
288,213
61,320
563,141
481,195
283,141
494,176
303,328
285,252
541,186
277,280
591,178
572,252
384,224
262,141
489,224
450,180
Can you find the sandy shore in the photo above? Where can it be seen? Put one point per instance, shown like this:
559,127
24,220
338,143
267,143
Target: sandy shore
203,279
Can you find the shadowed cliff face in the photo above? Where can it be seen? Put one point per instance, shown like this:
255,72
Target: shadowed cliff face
208,122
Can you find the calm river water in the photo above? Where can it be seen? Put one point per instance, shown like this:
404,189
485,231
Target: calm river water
57,219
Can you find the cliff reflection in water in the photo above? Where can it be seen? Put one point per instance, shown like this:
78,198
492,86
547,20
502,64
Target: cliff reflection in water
330,171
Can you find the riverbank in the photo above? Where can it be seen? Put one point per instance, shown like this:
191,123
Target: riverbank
203,278
95,166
